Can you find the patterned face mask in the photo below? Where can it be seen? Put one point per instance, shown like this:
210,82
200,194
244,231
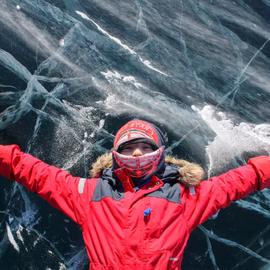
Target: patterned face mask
139,166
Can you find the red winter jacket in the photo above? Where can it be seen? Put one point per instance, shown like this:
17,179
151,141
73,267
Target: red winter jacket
127,229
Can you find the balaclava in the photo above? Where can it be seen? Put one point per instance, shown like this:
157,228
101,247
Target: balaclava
139,167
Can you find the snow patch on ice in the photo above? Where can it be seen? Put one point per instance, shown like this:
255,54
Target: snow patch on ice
11,238
232,139
116,76
100,126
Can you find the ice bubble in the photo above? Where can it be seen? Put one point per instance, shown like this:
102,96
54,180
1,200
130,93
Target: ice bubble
61,42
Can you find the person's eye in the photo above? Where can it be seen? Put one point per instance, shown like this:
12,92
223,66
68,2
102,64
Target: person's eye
125,149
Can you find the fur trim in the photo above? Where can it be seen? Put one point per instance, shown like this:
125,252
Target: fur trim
191,173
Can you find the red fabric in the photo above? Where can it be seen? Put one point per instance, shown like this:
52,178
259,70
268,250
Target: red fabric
117,234
262,167
136,129
140,166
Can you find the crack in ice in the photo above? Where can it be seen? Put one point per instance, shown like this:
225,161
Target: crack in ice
230,243
119,42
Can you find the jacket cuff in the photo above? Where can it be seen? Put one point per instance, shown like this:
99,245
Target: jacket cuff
261,165
7,154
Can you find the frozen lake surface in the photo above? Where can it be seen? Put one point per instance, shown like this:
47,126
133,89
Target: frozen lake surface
73,71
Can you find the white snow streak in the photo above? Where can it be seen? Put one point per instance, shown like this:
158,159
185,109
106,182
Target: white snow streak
11,238
119,42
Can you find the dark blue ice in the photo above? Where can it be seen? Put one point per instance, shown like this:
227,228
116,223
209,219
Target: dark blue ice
73,71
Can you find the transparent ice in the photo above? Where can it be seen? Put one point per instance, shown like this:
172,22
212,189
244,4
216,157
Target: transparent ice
73,71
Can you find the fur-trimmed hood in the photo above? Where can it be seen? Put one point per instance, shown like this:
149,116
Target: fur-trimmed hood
191,174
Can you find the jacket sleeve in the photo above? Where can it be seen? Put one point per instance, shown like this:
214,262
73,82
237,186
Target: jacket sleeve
220,191
56,186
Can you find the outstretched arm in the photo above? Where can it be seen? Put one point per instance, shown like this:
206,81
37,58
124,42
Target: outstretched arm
56,186
220,191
